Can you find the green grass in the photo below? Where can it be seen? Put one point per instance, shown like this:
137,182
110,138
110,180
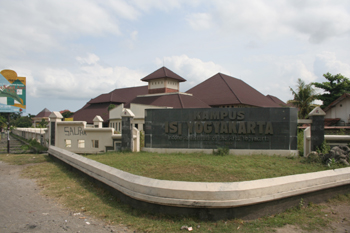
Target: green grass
21,159
79,194
200,167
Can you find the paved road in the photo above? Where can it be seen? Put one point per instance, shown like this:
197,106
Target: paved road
23,209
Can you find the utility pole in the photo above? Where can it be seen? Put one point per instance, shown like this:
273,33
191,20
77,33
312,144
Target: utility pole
8,133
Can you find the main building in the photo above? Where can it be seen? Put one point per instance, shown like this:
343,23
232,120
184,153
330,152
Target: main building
163,91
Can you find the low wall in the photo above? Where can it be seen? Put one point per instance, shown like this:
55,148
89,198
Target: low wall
33,133
331,140
214,200
231,151
76,137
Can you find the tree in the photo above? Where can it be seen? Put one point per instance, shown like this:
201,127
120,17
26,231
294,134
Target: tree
6,116
42,124
336,86
110,107
3,122
67,114
23,122
303,98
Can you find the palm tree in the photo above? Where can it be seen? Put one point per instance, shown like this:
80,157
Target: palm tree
303,98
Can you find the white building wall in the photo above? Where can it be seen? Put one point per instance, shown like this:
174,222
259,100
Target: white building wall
75,137
341,110
162,83
115,115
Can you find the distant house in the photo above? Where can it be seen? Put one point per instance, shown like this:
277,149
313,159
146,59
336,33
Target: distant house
44,114
339,109
163,91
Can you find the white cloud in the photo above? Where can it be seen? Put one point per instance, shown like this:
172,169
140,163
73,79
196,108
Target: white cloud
193,70
294,69
90,59
200,21
133,35
41,25
328,62
122,8
89,81
316,21
147,5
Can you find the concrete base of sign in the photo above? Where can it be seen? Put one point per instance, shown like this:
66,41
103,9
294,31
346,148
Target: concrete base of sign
212,200
232,152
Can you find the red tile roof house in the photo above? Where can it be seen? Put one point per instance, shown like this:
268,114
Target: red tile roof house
162,91
338,112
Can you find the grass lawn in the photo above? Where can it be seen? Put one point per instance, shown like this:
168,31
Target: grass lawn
79,194
201,167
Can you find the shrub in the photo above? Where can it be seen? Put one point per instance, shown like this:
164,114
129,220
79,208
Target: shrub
301,142
324,148
221,151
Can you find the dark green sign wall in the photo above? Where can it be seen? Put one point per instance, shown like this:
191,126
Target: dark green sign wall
236,128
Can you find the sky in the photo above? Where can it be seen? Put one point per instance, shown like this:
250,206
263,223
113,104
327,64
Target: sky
73,51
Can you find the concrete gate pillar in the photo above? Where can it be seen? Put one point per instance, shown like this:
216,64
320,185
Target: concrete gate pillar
54,118
127,135
317,128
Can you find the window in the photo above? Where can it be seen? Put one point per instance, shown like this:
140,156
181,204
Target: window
94,143
136,126
68,142
81,143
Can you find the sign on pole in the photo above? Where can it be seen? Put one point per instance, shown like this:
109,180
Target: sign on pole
12,92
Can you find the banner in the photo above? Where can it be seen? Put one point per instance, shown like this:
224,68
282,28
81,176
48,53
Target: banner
12,92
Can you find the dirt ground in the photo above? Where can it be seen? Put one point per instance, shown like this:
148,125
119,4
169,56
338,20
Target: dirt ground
23,209
341,224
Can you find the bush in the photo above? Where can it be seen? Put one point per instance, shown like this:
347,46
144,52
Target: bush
221,151
301,142
34,144
324,148
313,157
142,139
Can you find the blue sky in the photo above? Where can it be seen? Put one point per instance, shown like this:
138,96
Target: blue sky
72,51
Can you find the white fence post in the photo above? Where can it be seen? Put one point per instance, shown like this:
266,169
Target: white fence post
307,141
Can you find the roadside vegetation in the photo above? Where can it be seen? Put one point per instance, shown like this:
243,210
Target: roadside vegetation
79,194
30,144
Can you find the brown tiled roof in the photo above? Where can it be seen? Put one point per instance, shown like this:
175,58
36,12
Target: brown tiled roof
99,105
89,111
163,73
173,100
222,89
122,95
44,113
277,100
335,102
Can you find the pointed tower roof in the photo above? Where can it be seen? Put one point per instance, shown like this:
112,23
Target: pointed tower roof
44,113
163,72
222,89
